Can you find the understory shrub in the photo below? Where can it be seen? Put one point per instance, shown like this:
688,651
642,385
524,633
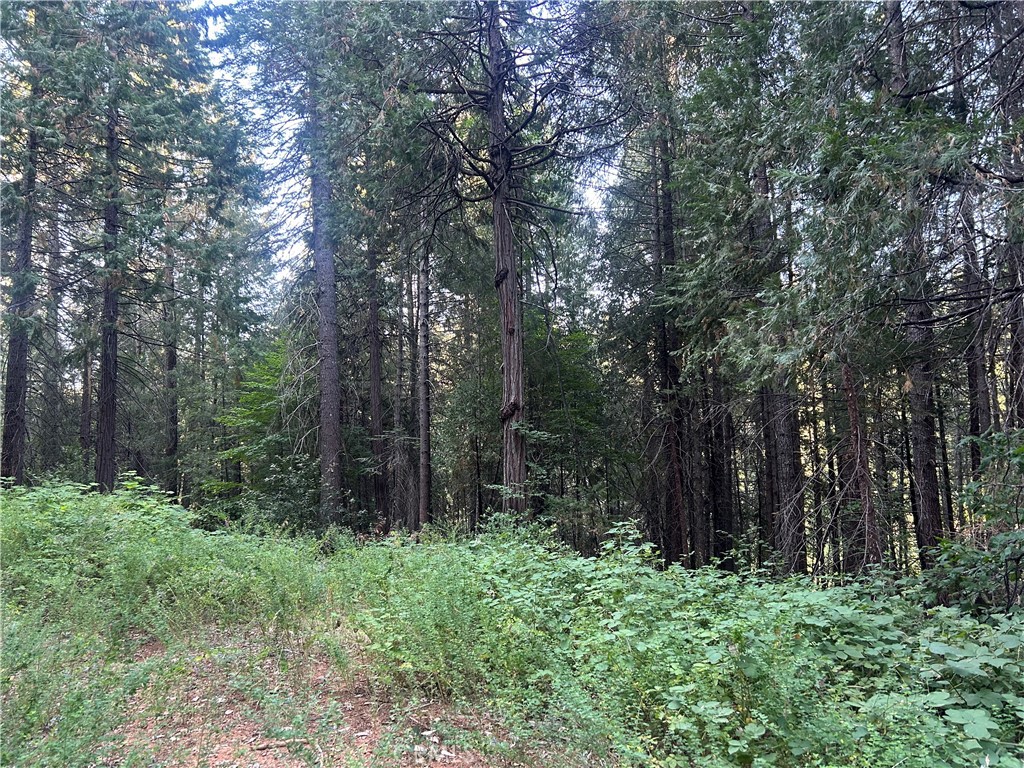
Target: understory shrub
663,667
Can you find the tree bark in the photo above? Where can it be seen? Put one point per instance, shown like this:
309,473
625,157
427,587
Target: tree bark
423,294
979,413
780,416
12,454
1010,19
897,42
768,493
327,325
907,479
835,467
677,518
921,403
170,321
783,518
402,483
506,269
51,443
978,395
920,336
947,483
721,470
1015,353
885,445
920,375
870,536
818,473
85,414
410,301
106,417
380,485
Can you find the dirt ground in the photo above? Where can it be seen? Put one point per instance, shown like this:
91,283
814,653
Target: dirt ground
236,704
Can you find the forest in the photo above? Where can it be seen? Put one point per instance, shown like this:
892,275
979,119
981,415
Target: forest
633,382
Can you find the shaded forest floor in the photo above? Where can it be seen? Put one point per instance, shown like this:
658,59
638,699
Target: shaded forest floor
133,638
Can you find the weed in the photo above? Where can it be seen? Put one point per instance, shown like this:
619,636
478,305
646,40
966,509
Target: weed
587,660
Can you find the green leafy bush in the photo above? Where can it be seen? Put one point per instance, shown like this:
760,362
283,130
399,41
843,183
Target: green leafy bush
656,667
713,669
982,569
131,559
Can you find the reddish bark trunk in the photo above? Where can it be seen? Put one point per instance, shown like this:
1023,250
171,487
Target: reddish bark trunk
506,271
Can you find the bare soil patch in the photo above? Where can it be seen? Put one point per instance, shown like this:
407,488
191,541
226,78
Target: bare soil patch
239,701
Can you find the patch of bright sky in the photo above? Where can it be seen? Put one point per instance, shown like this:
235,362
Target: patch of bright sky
285,215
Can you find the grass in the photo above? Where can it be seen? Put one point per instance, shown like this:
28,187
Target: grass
506,649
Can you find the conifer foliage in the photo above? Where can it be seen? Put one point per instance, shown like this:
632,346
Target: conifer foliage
751,274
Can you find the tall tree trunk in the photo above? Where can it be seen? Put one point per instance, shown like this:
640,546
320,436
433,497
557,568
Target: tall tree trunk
884,446
920,336
792,541
400,474
106,425
652,485
676,523
327,325
701,458
380,485
979,414
410,301
12,453
768,478
477,508
978,396
424,385
907,479
170,321
992,354
1013,321
85,414
947,483
870,542
848,504
51,443
921,403
830,526
781,425
235,472
837,480
896,37
1010,19
920,378
506,269
721,470
818,472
